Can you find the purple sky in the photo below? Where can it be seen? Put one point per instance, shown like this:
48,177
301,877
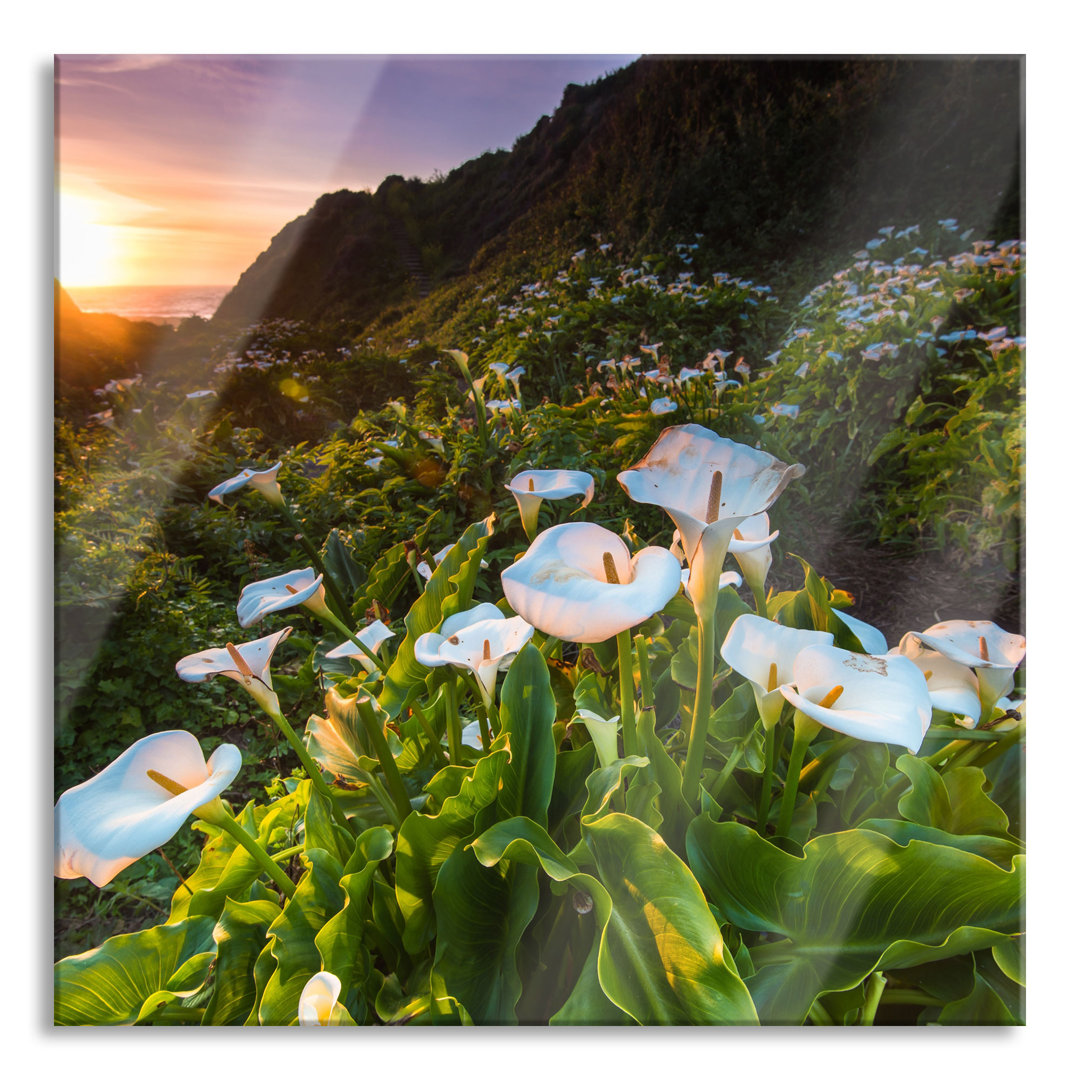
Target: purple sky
180,169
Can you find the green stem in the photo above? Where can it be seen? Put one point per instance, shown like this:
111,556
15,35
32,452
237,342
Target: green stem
1006,742
549,646
873,998
485,724
428,730
729,766
820,1015
805,730
695,751
335,622
453,721
908,997
386,759
647,699
287,854
765,798
812,772
760,603
383,797
233,827
626,693
310,766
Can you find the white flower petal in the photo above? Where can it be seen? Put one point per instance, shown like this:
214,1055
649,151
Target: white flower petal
261,598
265,483
318,998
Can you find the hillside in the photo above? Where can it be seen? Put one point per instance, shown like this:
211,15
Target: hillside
777,166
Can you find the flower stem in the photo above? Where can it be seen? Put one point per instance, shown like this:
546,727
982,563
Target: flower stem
765,798
813,771
233,827
310,766
805,730
394,782
626,693
760,603
647,699
453,721
873,998
699,724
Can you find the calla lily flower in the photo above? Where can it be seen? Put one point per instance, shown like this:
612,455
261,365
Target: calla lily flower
137,803
426,571
979,644
750,544
482,639
262,598
248,664
953,687
875,698
727,578
532,486
373,636
604,734
709,486
662,405
763,652
265,483
578,582
317,1000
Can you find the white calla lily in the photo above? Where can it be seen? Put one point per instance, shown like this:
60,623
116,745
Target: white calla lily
875,698
763,652
604,734
247,663
262,598
578,582
373,636
482,640
993,653
751,545
317,1000
265,483
425,570
728,578
953,687
137,803
531,487
709,486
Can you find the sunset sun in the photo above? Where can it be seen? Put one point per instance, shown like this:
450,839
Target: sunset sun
89,248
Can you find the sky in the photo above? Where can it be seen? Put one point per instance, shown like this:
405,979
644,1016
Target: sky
178,170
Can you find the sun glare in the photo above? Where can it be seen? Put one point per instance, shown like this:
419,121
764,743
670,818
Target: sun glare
89,251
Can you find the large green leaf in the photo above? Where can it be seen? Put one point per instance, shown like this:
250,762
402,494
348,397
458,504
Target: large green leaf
425,841
954,802
341,942
318,896
527,712
240,935
997,850
855,902
449,591
481,913
130,976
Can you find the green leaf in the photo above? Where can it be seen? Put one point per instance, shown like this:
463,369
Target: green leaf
527,712
341,942
341,565
954,802
856,902
448,591
662,958
129,976
240,935
425,841
318,896
997,850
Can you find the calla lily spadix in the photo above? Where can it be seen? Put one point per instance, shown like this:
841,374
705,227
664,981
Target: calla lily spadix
262,598
953,687
875,698
578,582
709,486
482,639
374,635
317,1000
979,644
763,652
248,664
137,803
531,487
265,483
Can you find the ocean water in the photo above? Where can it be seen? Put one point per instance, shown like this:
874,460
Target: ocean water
151,303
